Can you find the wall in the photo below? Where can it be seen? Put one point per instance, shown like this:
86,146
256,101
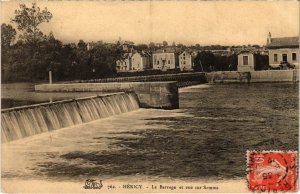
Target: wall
137,63
254,76
272,76
179,77
150,94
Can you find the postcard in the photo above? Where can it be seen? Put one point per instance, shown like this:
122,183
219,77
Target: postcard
149,96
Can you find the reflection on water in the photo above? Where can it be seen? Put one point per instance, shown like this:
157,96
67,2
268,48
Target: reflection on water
206,138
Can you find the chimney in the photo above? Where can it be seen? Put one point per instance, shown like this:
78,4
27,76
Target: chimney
269,38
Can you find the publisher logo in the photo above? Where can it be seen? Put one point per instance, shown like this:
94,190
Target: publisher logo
92,184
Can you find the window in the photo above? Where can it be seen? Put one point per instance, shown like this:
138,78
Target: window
184,62
245,60
169,62
294,56
275,58
157,62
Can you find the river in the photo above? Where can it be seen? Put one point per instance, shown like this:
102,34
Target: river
206,139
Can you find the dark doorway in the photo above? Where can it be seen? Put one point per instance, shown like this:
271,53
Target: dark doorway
284,58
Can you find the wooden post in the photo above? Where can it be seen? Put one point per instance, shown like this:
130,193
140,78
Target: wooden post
50,77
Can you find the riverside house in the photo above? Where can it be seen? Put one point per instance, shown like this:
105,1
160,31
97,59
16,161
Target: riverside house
186,61
283,50
124,63
140,61
165,59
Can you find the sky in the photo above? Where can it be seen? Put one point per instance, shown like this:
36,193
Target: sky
192,22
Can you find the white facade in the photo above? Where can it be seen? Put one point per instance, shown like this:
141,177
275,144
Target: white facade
164,61
282,55
140,61
246,62
185,61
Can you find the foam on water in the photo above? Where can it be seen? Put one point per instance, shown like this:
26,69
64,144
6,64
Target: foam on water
20,123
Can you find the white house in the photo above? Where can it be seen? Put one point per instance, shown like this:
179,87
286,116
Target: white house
140,61
124,63
283,50
246,61
185,61
164,59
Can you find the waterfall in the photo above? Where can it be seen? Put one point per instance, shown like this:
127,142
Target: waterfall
20,122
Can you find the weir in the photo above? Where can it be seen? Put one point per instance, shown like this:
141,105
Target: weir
150,94
20,122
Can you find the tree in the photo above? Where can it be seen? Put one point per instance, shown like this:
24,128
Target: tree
82,45
197,46
140,47
8,34
151,46
165,43
205,61
262,62
28,20
233,62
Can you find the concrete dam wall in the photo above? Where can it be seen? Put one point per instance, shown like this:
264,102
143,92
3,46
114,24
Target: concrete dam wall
253,76
182,79
150,94
20,122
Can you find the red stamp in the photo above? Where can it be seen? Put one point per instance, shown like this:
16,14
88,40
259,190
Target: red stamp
272,171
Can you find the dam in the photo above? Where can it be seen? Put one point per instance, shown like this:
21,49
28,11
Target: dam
20,122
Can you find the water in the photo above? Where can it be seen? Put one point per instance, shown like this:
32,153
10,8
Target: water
207,138
20,123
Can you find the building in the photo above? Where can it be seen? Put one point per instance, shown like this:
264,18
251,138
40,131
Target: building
246,61
141,61
124,63
186,61
165,59
283,51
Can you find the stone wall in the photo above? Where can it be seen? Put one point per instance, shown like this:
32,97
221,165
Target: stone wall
150,94
253,76
272,76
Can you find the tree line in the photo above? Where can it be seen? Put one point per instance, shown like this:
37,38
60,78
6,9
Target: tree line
35,53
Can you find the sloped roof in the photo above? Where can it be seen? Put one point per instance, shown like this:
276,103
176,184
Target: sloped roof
284,42
166,50
247,51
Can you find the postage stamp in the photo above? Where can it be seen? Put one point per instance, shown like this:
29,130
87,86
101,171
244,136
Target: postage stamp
272,171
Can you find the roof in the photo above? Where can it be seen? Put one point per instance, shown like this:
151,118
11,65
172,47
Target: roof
284,42
247,51
187,51
166,50
143,53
